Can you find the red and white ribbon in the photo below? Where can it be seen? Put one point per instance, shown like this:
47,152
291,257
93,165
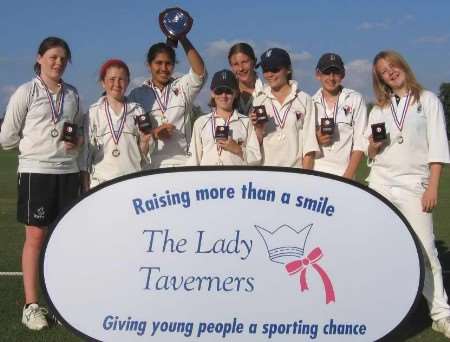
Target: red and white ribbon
55,109
115,134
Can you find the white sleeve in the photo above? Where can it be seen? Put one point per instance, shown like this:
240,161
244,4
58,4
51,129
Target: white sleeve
360,143
84,158
308,134
438,150
252,150
372,118
195,147
79,118
191,84
15,116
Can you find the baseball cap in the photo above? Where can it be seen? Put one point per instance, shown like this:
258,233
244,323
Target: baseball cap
274,58
224,79
330,60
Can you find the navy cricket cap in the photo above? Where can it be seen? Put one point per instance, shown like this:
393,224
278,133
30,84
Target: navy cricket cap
224,79
275,58
330,61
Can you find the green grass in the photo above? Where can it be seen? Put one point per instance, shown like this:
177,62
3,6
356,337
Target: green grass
417,328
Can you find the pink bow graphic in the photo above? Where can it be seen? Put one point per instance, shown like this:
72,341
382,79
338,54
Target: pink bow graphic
301,266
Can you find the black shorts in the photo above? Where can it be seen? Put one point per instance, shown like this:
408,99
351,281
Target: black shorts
42,197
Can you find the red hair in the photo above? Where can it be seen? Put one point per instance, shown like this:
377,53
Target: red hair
113,63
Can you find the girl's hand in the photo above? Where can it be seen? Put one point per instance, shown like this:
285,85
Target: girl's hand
323,139
429,200
374,147
259,127
68,146
164,131
231,146
144,142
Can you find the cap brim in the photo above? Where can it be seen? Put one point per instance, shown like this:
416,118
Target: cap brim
328,67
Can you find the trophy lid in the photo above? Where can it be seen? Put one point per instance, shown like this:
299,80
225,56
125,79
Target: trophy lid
175,22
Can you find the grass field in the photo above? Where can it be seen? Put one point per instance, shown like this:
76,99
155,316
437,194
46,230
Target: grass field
418,328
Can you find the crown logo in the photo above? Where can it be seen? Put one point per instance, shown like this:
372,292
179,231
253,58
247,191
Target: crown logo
285,243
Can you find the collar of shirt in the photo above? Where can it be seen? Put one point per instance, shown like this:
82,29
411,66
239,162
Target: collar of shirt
259,87
294,91
235,116
40,85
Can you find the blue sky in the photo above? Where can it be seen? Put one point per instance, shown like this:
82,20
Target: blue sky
98,30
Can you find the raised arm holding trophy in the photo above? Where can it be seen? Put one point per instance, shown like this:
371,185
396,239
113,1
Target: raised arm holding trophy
169,100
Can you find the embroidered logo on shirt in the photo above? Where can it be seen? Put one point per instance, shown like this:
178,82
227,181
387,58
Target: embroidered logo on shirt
39,214
176,91
419,108
347,109
299,115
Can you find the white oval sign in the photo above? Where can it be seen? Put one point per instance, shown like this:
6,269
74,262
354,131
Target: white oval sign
235,254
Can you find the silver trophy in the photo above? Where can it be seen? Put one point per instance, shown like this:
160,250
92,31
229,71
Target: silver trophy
175,23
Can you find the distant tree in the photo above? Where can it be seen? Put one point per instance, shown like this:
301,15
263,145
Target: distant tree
444,96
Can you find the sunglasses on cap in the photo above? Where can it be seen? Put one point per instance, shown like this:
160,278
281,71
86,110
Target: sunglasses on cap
271,69
222,90
332,70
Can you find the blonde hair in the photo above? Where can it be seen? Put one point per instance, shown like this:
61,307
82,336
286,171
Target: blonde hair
382,90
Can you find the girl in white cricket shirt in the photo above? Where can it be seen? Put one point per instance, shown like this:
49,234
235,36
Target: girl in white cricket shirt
169,101
242,61
406,167
114,146
289,137
242,146
48,173
340,152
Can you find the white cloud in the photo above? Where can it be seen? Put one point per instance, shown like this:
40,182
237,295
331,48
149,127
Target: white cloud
300,56
137,81
358,76
365,26
438,39
220,47
5,93
387,23
406,19
7,90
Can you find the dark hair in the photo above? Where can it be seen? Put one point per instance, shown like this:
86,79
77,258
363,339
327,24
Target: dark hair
290,75
113,63
49,43
244,48
158,48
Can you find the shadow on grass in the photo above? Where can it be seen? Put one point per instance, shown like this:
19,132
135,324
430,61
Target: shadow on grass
419,320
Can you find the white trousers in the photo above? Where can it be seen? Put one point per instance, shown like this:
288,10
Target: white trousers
408,201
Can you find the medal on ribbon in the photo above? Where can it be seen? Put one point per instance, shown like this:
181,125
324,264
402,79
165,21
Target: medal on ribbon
115,134
280,121
394,111
162,100
335,108
56,109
